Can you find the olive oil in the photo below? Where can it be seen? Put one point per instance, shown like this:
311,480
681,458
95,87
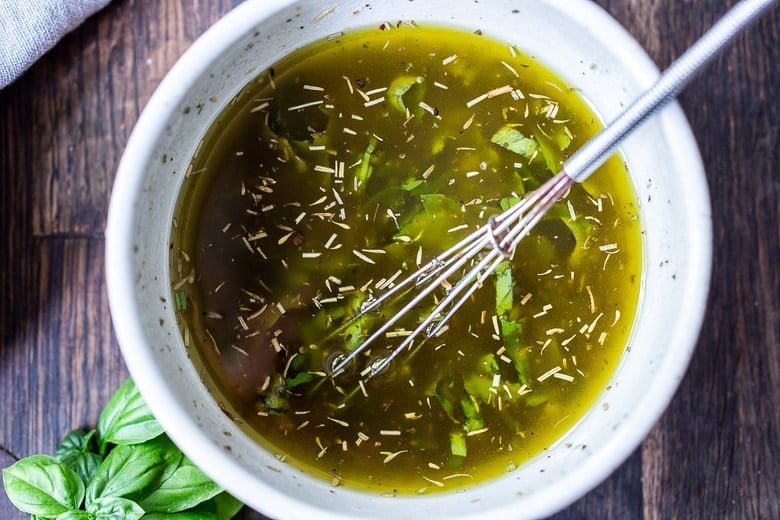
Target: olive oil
341,169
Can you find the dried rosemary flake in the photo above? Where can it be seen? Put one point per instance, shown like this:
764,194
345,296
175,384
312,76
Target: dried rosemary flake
510,69
258,108
434,482
592,305
349,85
330,241
564,377
592,326
548,374
284,238
391,455
458,475
468,122
428,108
305,105
239,350
242,322
568,340
374,101
323,169
363,257
213,342
506,89
449,59
476,100
376,91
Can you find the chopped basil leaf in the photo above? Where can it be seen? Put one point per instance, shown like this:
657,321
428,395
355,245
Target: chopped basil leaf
513,140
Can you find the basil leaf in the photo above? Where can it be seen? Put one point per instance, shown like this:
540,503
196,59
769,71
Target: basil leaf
504,287
411,183
440,206
508,202
299,379
184,515
227,506
85,465
126,419
114,508
75,515
478,384
76,453
447,406
41,485
512,335
186,487
76,440
470,409
130,471
553,157
400,86
365,169
458,444
513,140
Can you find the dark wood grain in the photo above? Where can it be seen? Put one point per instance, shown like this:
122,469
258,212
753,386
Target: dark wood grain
64,124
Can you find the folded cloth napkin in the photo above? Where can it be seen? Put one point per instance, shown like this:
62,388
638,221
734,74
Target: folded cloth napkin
29,28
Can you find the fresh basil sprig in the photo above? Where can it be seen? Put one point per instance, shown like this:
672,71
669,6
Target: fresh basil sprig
125,469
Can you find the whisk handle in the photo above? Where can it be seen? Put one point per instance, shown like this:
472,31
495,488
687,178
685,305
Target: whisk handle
588,158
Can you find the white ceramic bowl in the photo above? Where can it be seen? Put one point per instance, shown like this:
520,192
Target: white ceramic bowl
574,38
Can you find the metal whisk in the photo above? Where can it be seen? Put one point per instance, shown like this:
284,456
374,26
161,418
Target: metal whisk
502,233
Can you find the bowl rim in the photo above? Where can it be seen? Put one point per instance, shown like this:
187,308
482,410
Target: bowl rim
178,423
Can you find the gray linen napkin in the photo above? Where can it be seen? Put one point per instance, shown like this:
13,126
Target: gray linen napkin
29,28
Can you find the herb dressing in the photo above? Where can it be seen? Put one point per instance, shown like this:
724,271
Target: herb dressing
350,163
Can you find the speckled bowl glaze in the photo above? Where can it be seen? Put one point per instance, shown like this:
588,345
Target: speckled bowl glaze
574,38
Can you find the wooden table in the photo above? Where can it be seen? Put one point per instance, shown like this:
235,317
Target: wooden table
64,124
